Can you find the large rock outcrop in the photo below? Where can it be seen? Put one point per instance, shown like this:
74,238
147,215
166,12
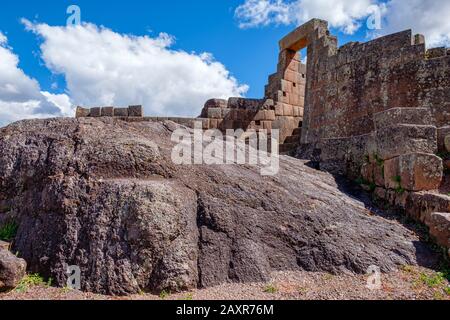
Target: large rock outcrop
104,195
12,270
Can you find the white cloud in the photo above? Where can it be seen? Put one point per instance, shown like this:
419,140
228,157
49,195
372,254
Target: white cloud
20,95
428,17
102,67
346,15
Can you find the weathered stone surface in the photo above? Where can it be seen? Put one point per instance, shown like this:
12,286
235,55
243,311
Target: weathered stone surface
135,111
422,204
12,270
215,113
439,224
120,112
392,177
107,111
82,112
394,116
414,172
112,202
216,103
420,171
95,112
403,139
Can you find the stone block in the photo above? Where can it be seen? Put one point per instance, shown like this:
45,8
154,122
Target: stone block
205,123
367,172
394,116
226,124
135,111
214,123
225,113
401,139
419,39
120,112
215,113
259,116
216,103
391,173
279,109
420,205
419,171
82,112
107,112
439,224
243,103
288,110
436,52
447,143
378,173
267,125
96,112
413,172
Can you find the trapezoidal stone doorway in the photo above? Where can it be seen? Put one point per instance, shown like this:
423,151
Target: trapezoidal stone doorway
288,87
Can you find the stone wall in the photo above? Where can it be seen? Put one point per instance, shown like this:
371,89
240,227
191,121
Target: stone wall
131,111
281,108
379,113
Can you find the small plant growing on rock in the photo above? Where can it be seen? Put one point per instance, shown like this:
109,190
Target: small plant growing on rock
8,231
164,294
433,280
29,281
270,289
378,160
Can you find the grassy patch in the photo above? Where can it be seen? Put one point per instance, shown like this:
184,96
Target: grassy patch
379,161
270,289
432,281
164,294
29,281
187,297
8,231
408,269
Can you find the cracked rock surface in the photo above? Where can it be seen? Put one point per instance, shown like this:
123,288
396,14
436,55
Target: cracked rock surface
104,195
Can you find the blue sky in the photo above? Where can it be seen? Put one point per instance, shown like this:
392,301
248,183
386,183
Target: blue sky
200,25
249,54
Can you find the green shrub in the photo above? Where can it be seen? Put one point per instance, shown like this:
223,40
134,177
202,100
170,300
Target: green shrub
30,280
433,280
164,294
8,231
270,289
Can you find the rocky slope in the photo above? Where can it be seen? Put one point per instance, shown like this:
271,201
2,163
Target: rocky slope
104,195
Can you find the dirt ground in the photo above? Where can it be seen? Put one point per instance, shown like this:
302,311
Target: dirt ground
408,283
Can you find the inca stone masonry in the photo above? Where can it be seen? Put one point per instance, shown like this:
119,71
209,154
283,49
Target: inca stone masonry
377,112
